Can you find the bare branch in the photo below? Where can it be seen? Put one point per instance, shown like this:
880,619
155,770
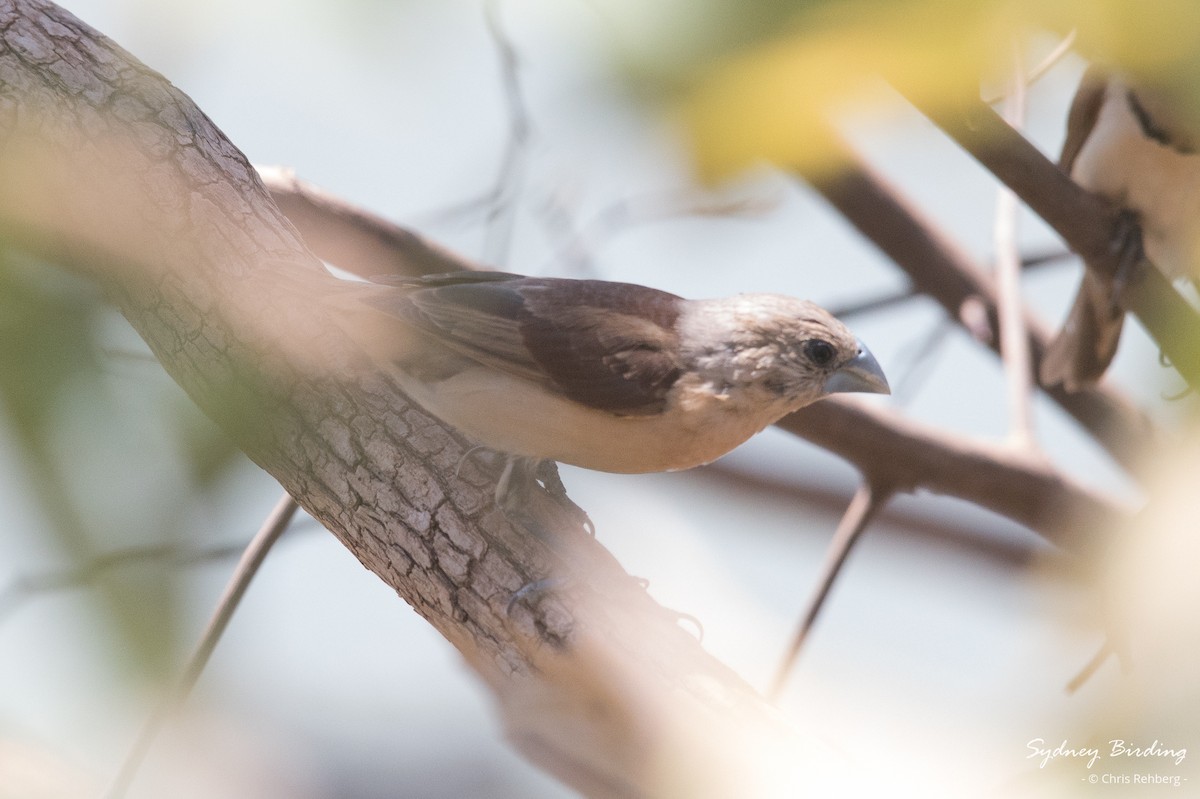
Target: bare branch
865,505
1014,340
891,298
26,587
1086,222
1051,60
1090,668
944,272
644,209
497,203
921,356
907,455
274,527
502,216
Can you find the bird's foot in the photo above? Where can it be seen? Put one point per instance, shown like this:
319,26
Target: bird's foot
529,591
547,475
544,616
517,482
1127,245
470,455
681,617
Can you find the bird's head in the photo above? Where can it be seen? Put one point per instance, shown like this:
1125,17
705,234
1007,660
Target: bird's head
776,349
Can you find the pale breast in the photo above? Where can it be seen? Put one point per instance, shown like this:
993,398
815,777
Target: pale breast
1158,182
511,416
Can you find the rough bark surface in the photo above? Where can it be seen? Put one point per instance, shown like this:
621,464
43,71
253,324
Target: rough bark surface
106,167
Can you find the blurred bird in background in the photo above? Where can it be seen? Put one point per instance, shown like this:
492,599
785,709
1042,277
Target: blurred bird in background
1136,147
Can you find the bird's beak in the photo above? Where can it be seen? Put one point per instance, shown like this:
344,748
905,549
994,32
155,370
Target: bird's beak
862,374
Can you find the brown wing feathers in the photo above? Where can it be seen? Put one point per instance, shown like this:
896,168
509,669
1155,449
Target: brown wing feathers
609,346
606,345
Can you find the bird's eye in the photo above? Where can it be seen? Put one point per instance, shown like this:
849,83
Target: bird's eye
818,351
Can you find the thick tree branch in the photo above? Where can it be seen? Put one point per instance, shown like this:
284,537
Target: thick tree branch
109,169
866,504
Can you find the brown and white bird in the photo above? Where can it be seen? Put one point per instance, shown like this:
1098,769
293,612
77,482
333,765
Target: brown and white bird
612,376
1133,146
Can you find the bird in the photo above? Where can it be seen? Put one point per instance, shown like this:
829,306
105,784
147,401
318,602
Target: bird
608,376
1133,144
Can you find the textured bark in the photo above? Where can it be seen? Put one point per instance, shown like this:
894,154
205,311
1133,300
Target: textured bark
105,167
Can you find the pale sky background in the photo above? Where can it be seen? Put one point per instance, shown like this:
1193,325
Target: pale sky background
337,686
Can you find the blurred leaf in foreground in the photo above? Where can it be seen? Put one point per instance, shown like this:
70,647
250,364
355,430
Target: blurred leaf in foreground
81,449
760,81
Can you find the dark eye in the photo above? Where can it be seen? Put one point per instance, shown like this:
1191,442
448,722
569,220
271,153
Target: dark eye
818,351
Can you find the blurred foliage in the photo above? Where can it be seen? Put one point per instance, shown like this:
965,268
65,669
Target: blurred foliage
54,384
760,80
45,343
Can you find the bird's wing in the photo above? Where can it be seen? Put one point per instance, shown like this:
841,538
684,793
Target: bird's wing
609,346
1160,117
1082,350
1081,118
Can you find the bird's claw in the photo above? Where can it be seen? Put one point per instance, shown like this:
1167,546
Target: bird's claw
518,479
529,589
1128,247
546,472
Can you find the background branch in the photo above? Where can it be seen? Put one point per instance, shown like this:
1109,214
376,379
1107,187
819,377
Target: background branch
893,450
1085,221
252,559
864,506
162,556
943,271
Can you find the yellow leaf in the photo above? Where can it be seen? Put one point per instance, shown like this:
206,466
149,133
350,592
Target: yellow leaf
774,100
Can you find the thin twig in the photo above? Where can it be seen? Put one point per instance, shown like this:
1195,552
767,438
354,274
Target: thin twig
248,566
1045,65
1052,58
921,355
1014,339
129,355
1105,651
26,587
867,502
502,217
575,255
497,204
891,298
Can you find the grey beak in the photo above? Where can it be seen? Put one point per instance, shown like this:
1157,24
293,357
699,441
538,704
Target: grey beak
861,374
